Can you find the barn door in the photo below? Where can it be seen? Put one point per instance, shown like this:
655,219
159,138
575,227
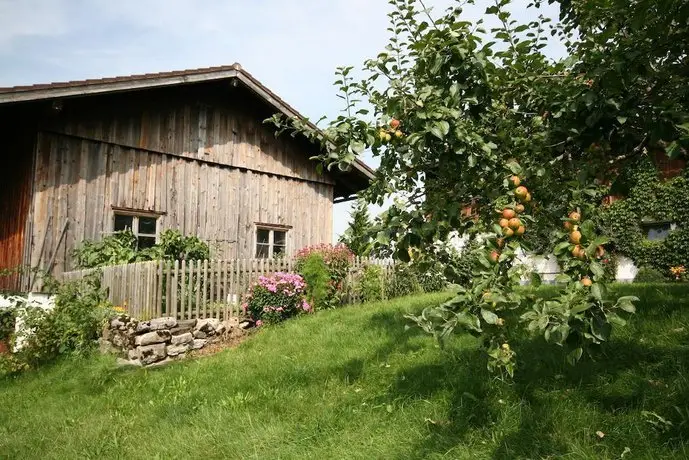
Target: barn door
15,197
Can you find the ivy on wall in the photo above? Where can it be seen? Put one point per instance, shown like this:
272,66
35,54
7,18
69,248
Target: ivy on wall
650,199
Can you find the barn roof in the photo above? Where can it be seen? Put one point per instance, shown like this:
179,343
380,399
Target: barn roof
354,180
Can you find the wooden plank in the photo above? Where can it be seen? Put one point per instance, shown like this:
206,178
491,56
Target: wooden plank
191,295
159,290
244,284
224,289
218,286
198,286
205,289
183,289
175,288
232,284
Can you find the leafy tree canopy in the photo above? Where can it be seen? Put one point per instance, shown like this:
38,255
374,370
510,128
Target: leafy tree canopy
451,108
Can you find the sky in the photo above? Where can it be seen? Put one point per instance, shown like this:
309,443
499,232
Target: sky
291,46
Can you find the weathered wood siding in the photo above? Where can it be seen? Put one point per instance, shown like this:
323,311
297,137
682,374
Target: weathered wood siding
80,181
15,197
213,123
201,157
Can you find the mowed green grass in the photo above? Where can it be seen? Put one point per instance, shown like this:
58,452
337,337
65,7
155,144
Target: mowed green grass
354,384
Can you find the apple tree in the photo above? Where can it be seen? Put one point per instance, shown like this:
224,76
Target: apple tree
462,117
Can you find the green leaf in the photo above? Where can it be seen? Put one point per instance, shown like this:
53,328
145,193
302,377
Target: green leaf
616,320
600,328
437,132
622,120
468,321
403,255
575,355
588,229
596,291
488,316
580,308
597,269
625,303
561,247
536,280
673,150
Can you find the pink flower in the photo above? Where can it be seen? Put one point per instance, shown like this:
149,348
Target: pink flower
259,323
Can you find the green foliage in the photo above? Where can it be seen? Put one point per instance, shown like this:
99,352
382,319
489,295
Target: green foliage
457,111
71,327
371,284
359,235
650,199
11,365
121,248
431,278
175,246
318,281
337,260
275,298
649,275
7,322
460,266
403,281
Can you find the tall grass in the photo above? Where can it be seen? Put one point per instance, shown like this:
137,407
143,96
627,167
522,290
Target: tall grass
353,383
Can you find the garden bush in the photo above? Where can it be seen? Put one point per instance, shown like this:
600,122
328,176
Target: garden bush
275,298
7,321
404,281
324,268
432,278
371,284
460,264
72,326
318,282
649,275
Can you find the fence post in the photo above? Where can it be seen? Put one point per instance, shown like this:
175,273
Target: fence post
159,290
198,287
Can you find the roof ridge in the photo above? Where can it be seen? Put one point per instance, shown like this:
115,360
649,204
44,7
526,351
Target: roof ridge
141,76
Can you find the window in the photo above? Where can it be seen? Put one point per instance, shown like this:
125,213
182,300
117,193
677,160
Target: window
657,231
144,227
270,242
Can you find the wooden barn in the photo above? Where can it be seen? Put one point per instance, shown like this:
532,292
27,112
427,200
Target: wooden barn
183,150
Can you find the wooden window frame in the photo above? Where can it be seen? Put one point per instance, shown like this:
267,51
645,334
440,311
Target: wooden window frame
271,229
136,215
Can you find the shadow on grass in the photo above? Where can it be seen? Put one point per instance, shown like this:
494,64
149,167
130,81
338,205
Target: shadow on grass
624,377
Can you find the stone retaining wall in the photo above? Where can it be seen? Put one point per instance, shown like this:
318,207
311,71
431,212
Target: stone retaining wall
160,340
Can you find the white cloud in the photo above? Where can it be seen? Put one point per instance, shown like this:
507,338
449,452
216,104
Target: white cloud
30,18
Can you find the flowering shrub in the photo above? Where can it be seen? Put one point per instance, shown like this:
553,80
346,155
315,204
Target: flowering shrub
324,267
338,258
275,298
678,273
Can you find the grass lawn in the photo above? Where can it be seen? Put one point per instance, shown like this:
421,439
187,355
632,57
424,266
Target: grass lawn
354,384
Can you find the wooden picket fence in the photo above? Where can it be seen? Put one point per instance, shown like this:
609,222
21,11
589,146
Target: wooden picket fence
350,290
198,288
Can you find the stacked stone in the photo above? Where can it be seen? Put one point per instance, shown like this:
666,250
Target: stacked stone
145,343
